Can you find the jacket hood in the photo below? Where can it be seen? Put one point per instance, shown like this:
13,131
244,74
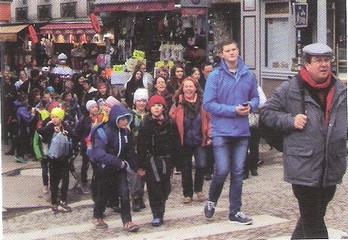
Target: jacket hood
117,112
242,68
18,104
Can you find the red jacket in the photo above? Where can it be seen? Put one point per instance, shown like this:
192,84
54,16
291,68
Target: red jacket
176,113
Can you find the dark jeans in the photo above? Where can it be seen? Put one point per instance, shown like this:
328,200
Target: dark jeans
312,202
44,165
188,184
85,165
23,145
158,191
59,171
112,181
253,154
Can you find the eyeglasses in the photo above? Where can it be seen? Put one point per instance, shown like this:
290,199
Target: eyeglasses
321,60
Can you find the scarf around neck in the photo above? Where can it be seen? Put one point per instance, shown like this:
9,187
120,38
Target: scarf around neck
324,91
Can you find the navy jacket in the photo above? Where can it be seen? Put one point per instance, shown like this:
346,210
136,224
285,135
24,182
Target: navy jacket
119,143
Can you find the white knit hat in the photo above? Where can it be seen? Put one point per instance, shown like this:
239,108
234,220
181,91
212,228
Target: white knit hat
90,104
62,57
141,94
111,101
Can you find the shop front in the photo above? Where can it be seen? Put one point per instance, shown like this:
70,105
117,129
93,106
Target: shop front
287,26
78,40
160,30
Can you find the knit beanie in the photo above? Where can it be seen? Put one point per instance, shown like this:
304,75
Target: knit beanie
141,94
52,105
156,99
111,101
58,112
90,104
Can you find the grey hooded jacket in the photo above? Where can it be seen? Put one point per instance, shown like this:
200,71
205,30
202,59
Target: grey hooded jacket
315,156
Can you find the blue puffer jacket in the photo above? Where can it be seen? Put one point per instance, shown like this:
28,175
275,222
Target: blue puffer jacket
119,143
224,91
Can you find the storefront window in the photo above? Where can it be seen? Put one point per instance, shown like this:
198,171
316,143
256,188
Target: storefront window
279,51
44,12
22,14
68,10
90,6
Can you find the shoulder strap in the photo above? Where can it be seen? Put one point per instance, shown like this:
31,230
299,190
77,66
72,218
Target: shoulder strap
302,92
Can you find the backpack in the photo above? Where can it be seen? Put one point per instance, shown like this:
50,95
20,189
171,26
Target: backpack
60,146
98,128
275,137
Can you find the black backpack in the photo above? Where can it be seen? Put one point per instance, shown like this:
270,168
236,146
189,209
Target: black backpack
275,137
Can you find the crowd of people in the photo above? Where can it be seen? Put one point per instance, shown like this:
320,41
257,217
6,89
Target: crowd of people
141,133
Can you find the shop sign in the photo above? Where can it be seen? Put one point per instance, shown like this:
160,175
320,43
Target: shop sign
195,3
139,55
95,22
301,14
32,34
118,68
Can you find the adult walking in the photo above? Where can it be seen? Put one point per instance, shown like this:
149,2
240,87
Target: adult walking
194,129
315,144
230,94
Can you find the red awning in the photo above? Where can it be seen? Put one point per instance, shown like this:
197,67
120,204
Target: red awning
67,28
135,7
192,11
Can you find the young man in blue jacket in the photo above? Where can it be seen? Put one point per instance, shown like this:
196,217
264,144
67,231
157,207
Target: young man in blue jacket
230,94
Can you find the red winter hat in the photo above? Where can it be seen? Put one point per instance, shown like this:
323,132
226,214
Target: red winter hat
156,99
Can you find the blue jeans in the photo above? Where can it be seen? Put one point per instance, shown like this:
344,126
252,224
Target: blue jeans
188,184
229,154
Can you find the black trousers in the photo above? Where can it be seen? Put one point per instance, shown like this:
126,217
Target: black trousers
312,203
59,171
109,181
85,165
158,190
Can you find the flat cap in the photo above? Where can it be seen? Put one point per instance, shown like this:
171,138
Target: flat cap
317,49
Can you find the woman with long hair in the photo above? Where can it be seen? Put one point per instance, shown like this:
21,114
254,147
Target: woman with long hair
194,129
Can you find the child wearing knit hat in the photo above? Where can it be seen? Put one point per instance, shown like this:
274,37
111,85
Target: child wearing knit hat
158,137
52,127
137,182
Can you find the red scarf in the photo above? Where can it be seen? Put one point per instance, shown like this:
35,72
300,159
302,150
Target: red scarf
321,90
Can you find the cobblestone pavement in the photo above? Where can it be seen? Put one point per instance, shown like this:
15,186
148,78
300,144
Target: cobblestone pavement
266,194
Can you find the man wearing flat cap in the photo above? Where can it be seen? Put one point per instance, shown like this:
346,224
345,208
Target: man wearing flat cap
311,109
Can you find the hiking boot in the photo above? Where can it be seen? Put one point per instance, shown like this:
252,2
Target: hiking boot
260,162
116,208
130,227
207,177
136,205
100,224
20,159
209,209
45,189
156,222
84,188
187,200
254,172
240,218
10,153
54,208
142,203
200,197
65,207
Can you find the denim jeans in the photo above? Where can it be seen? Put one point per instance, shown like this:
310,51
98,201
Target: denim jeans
229,154
200,161
312,202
